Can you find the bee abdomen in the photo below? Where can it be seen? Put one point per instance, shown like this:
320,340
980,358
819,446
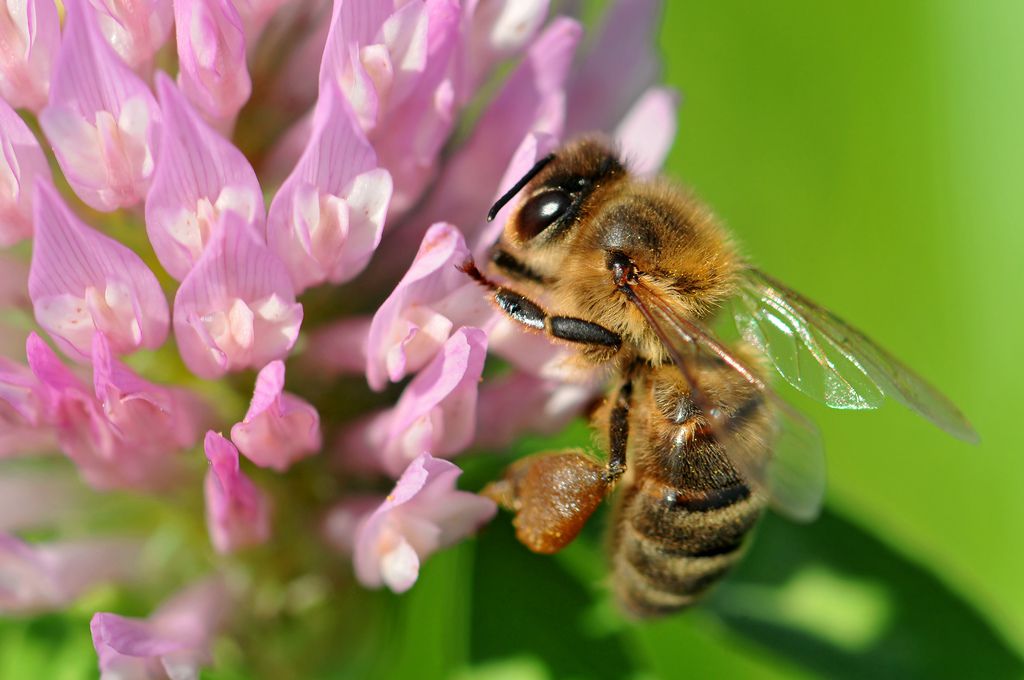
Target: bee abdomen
671,546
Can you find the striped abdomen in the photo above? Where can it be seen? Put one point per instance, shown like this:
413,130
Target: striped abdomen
681,520
669,547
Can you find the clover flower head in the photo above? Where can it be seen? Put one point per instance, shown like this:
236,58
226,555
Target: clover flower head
252,230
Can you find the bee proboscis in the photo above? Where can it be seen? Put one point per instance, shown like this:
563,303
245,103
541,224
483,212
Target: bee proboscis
633,271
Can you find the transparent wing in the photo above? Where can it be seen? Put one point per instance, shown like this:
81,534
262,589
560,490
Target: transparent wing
790,470
829,360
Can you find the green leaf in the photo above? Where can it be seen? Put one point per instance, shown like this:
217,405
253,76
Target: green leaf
837,600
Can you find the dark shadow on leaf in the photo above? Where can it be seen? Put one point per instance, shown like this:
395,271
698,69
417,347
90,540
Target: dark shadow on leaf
795,591
529,605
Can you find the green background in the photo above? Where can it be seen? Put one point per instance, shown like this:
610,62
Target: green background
870,154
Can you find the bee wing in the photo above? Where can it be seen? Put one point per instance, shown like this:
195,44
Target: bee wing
829,360
790,470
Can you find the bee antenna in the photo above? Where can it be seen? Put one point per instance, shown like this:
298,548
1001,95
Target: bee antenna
511,193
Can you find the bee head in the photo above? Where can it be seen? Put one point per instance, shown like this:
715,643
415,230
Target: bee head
583,223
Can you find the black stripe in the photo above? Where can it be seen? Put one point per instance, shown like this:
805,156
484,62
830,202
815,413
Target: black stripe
723,548
586,332
704,501
509,264
657,571
746,410
692,535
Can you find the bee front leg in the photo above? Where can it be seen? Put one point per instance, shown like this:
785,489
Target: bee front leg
527,312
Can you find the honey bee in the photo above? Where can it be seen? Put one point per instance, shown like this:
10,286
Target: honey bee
635,270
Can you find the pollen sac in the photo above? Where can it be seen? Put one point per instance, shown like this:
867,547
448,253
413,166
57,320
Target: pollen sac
553,496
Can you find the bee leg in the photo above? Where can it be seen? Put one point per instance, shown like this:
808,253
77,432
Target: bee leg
527,312
618,433
552,495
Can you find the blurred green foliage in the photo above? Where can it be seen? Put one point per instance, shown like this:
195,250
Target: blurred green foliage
871,155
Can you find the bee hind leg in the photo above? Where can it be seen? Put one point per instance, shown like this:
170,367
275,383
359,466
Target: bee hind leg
552,495
618,432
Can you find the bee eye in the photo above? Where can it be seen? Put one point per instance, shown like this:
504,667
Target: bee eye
540,212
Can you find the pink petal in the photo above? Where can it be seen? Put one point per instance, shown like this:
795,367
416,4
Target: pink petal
279,428
423,514
54,376
394,67
327,218
237,515
519,402
124,646
24,427
21,392
497,31
30,36
83,433
82,282
115,450
399,566
102,120
431,300
136,30
198,176
531,100
254,15
646,134
355,25
174,641
236,308
156,420
211,56
623,54
339,348
21,163
436,412
50,576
